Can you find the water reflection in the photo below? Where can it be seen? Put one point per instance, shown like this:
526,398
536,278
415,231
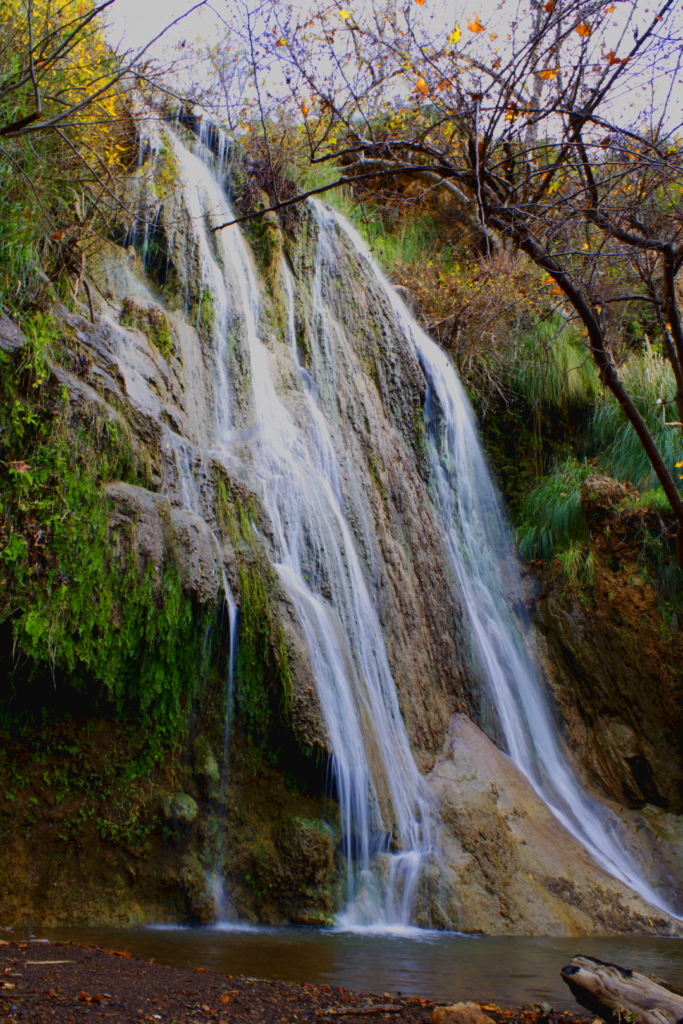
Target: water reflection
436,965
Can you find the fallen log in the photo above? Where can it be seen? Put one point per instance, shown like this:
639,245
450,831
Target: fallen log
622,996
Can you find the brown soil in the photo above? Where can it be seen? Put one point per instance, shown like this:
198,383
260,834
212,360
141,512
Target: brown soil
66,983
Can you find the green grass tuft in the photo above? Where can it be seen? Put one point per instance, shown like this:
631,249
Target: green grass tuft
552,368
552,516
647,377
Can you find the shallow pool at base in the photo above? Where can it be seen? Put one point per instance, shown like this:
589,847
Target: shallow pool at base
439,966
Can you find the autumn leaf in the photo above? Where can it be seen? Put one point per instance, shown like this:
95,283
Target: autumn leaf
445,83
550,6
475,25
612,59
548,74
345,14
608,10
422,86
420,2
19,467
304,108
455,35
57,236
282,42
583,29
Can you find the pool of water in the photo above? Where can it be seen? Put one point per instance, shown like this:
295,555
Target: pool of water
435,965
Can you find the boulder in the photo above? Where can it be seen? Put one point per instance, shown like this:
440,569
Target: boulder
179,808
599,494
460,1013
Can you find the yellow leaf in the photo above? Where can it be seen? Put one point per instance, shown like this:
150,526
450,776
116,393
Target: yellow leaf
304,108
548,73
455,35
475,25
679,465
422,86
345,14
584,29
282,42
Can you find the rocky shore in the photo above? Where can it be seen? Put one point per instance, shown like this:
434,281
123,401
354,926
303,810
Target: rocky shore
64,982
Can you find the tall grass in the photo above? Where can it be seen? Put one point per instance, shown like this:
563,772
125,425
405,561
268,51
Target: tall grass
552,369
647,377
551,516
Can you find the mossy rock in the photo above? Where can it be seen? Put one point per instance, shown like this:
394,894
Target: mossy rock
146,316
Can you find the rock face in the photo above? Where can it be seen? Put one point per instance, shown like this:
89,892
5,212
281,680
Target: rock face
613,667
165,358
510,866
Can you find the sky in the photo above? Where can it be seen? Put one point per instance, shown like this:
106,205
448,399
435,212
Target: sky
134,22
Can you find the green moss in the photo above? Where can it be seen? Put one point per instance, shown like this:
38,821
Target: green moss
153,324
77,601
202,312
253,655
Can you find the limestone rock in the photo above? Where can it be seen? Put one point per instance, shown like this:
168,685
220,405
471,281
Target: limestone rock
511,866
460,1013
11,338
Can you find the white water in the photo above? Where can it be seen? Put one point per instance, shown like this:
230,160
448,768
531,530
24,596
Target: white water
482,553
385,805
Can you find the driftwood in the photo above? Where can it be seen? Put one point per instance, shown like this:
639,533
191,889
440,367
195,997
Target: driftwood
619,995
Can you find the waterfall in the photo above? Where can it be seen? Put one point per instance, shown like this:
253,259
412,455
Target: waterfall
482,553
388,830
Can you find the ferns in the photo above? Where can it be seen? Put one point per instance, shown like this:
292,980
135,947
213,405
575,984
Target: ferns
552,515
647,377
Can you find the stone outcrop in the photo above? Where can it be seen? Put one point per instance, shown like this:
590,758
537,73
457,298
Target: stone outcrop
612,671
510,866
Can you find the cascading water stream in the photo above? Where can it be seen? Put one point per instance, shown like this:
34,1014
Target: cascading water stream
482,553
385,805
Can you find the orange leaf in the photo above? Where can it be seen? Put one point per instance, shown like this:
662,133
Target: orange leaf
608,10
422,86
583,29
420,2
58,236
445,83
550,6
304,108
19,467
612,60
548,73
475,25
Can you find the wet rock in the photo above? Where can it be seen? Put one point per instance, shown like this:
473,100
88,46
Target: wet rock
306,851
159,533
179,808
116,271
205,762
200,900
460,1013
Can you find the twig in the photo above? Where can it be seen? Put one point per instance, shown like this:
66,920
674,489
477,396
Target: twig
364,1011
